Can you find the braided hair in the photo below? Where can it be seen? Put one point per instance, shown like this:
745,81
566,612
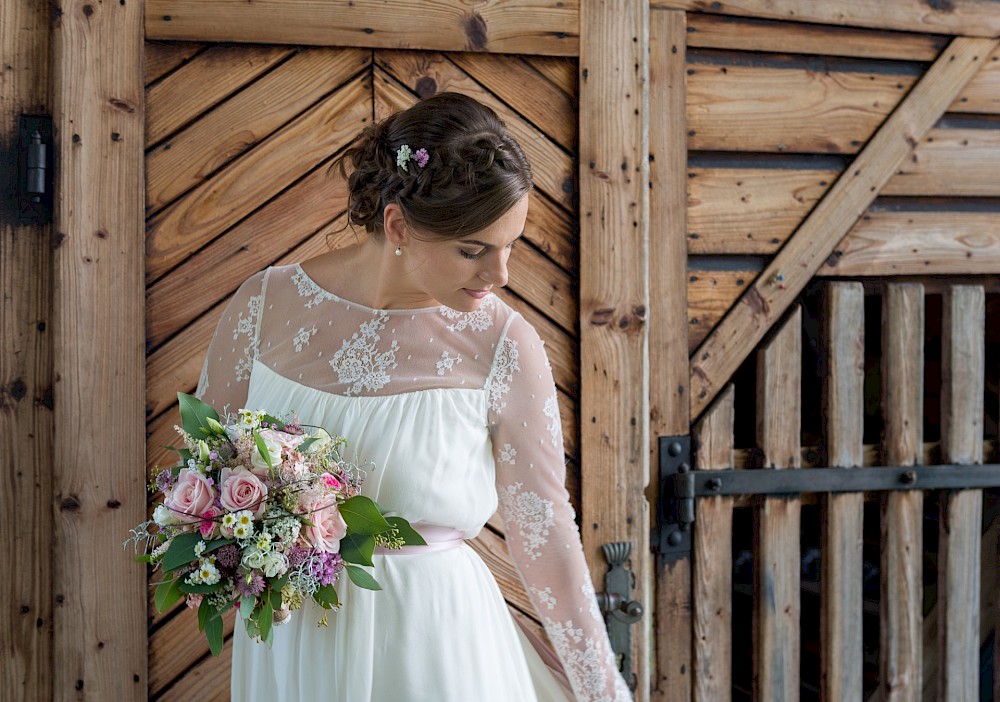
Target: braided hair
474,172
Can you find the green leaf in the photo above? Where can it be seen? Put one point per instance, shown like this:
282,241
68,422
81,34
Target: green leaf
362,578
194,415
326,597
262,447
213,630
201,589
246,607
275,597
217,543
181,551
205,611
253,631
265,618
362,516
167,594
409,535
273,422
357,548
144,558
304,446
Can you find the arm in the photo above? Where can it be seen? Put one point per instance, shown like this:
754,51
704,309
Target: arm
541,532
225,374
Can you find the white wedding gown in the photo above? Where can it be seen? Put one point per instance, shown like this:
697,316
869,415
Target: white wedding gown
455,410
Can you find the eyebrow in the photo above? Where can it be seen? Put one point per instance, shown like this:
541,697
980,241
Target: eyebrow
477,242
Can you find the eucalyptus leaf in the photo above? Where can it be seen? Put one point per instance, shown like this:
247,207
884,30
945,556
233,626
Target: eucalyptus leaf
246,607
357,548
213,630
304,446
201,589
409,535
362,578
167,594
326,597
181,551
194,415
265,618
362,516
204,613
275,597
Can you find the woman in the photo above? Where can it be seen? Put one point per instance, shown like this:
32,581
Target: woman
400,345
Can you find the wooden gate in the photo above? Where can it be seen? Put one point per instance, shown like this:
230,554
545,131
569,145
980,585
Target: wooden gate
239,145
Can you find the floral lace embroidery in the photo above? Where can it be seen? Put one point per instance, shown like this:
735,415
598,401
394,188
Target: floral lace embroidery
530,513
551,410
202,381
478,320
544,596
507,454
307,287
447,362
582,659
302,337
587,590
359,362
248,326
502,373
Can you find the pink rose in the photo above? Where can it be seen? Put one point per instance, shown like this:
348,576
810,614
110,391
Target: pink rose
328,526
242,490
191,495
286,440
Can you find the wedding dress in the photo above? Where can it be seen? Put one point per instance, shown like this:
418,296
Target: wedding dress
456,412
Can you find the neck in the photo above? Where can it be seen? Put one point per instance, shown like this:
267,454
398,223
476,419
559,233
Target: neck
378,278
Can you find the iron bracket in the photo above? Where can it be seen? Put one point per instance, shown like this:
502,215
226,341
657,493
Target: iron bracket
620,612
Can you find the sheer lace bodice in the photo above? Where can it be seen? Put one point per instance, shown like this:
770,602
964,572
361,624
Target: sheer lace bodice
282,323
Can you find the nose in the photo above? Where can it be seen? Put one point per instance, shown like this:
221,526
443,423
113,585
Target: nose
495,272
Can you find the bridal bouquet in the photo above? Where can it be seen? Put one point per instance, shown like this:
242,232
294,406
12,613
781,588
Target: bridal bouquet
260,515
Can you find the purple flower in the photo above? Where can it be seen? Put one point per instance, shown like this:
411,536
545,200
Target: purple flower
228,558
421,157
252,588
164,480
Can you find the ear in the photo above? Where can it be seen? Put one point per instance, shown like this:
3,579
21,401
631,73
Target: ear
394,225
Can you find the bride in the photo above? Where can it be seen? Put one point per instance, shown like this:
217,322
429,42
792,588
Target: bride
400,345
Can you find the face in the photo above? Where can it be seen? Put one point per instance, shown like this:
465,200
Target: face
459,273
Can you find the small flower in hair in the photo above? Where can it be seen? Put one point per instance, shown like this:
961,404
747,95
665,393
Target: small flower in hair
403,156
421,157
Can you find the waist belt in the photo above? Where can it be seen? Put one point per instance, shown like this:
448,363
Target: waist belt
438,538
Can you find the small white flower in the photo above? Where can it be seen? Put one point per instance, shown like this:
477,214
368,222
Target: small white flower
228,520
243,531
208,573
199,548
163,516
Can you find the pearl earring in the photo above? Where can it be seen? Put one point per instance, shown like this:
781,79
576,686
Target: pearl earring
399,251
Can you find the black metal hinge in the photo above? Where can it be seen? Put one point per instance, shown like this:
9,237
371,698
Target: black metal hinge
33,197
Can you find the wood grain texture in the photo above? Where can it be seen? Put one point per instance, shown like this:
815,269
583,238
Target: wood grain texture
26,469
178,645
960,17
901,599
502,26
733,107
710,294
776,647
982,94
843,515
918,243
962,385
614,186
723,351
950,162
561,71
100,621
749,210
162,57
667,327
247,118
712,553
750,34
218,72
208,681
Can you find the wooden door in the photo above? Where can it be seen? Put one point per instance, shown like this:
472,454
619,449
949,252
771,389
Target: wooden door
239,141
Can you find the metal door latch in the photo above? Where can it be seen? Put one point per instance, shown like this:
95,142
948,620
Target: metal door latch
620,612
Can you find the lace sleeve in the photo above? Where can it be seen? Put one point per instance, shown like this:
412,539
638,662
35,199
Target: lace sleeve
541,532
225,374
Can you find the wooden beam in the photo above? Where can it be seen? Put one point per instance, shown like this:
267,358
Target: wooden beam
614,297
25,373
99,622
959,17
668,348
962,379
765,302
502,26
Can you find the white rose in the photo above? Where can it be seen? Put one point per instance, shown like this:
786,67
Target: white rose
253,558
273,450
274,564
163,516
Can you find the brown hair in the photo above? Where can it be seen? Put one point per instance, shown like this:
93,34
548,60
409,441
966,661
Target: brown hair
475,171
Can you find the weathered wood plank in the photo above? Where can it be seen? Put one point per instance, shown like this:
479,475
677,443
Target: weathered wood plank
710,295
561,71
962,378
99,624
178,645
161,57
750,210
724,350
747,34
535,98
982,94
426,74
218,72
614,298
249,117
223,200
546,286
960,162
513,26
668,346
919,243
843,515
901,600
208,681
960,17
776,646
732,107
26,282
712,553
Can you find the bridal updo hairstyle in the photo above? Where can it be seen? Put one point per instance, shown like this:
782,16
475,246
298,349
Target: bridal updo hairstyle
474,171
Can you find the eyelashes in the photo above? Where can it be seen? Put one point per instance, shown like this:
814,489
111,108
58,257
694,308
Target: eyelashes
479,255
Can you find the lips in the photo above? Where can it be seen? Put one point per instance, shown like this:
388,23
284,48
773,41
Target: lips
477,294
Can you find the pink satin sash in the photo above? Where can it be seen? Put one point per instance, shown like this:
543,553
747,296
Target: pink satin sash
438,538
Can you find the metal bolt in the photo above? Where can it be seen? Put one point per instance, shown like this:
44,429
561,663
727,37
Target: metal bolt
714,484
684,467
674,449
674,538
908,478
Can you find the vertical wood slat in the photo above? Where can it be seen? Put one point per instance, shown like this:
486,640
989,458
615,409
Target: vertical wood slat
25,377
843,515
668,346
777,521
613,293
901,600
713,560
99,623
963,371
